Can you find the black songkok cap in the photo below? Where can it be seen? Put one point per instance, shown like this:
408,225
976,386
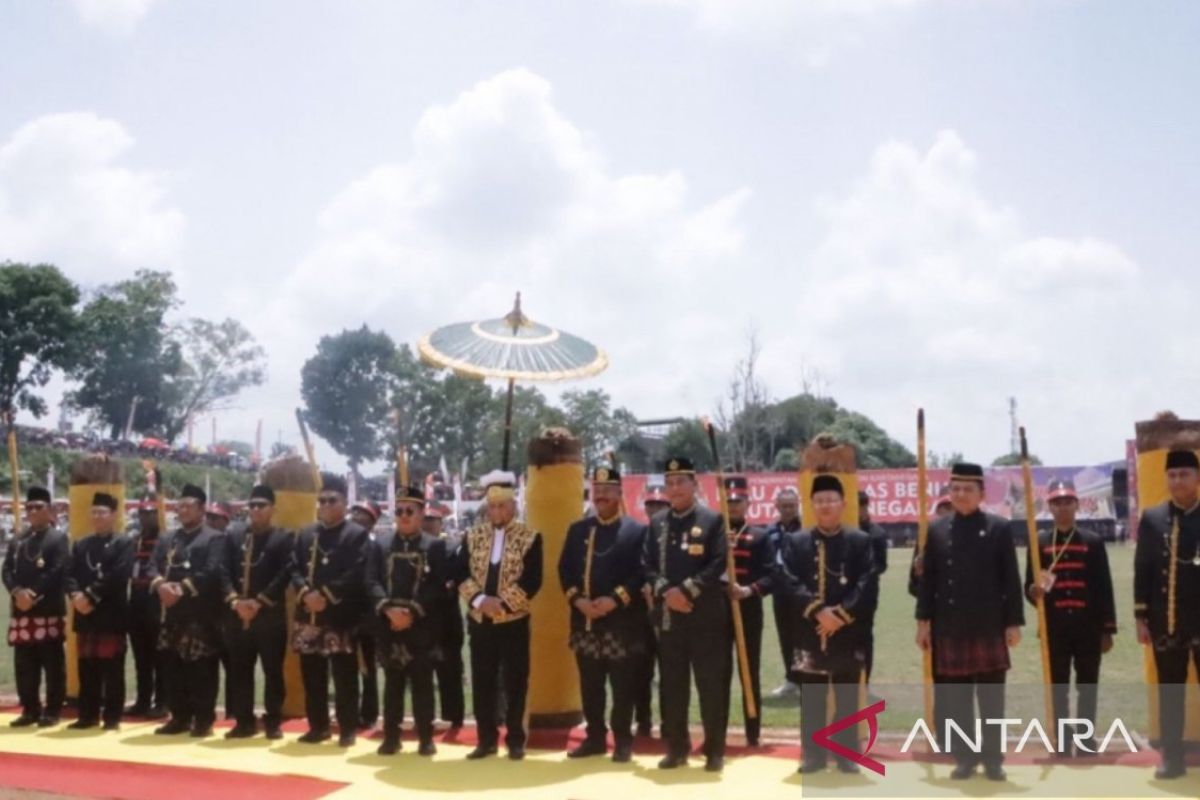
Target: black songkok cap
104,499
1180,458
194,492
827,483
38,494
263,492
962,471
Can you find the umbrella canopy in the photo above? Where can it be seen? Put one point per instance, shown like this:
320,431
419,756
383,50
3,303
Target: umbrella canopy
512,347
154,444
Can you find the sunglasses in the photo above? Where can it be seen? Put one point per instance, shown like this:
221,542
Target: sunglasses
330,500
258,505
406,511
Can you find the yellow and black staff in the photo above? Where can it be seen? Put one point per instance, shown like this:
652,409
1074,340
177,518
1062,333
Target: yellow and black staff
739,633
919,556
1035,560
14,464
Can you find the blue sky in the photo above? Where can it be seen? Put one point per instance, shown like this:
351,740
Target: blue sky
921,202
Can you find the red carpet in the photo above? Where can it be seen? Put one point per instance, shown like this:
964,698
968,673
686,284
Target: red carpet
83,777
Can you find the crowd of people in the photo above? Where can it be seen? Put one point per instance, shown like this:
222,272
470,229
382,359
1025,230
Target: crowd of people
209,596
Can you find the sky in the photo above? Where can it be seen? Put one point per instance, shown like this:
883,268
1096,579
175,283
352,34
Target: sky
911,203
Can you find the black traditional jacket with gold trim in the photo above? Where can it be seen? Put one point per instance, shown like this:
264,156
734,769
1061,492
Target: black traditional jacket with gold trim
407,572
688,551
268,554
332,561
99,567
1166,574
35,560
515,579
191,558
604,559
836,571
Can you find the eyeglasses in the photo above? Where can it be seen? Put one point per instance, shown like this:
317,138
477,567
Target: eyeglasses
258,505
329,500
406,511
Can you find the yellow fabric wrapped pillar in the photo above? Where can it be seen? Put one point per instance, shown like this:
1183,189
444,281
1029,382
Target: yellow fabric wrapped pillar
827,455
295,506
1154,439
553,500
89,475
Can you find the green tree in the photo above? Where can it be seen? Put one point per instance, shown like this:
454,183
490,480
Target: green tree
786,460
37,325
599,428
1014,460
689,440
531,414
874,448
126,352
220,359
346,389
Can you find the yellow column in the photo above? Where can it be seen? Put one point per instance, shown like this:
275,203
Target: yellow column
88,476
295,507
826,455
553,500
1154,439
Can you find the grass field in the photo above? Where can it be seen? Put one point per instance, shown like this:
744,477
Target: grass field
897,673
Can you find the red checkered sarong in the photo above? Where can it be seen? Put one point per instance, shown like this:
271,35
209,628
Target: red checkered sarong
955,656
100,645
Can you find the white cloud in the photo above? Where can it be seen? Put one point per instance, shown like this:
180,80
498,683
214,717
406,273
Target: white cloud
925,292
67,197
116,17
816,27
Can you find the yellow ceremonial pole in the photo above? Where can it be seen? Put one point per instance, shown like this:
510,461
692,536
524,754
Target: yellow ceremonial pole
1035,559
919,557
14,465
735,604
308,450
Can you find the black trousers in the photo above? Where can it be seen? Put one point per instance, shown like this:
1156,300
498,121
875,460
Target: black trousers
264,643
495,649
102,689
449,672
960,694
368,710
30,661
192,689
643,678
752,626
814,710
595,676
783,628
147,659
682,654
418,673
1078,646
314,673
1172,664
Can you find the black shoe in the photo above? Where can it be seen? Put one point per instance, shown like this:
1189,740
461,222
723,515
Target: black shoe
23,721
714,763
752,742
427,748
157,712
995,772
83,724
137,710
273,732
516,752
201,731
482,751
314,737
588,748
811,767
389,746
671,761
1170,770
1093,749
962,772
47,721
847,767
240,732
172,728
112,726
347,739
622,754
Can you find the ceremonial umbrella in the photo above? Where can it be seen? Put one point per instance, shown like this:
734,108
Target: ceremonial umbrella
512,348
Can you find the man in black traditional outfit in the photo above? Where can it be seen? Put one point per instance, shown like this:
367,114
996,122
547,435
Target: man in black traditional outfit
145,617
600,571
452,632
879,549
787,509
366,513
754,563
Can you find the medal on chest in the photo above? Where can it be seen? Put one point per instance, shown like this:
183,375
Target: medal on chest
41,562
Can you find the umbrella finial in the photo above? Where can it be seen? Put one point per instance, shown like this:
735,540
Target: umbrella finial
515,318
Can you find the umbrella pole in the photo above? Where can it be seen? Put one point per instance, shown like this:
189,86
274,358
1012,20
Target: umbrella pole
508,423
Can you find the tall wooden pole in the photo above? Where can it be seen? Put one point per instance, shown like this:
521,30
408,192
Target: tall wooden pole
922,537
1035,560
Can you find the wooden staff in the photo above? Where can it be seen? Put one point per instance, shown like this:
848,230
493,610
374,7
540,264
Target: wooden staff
316,476
14,465
1035,559
735,603
919,558
247,556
